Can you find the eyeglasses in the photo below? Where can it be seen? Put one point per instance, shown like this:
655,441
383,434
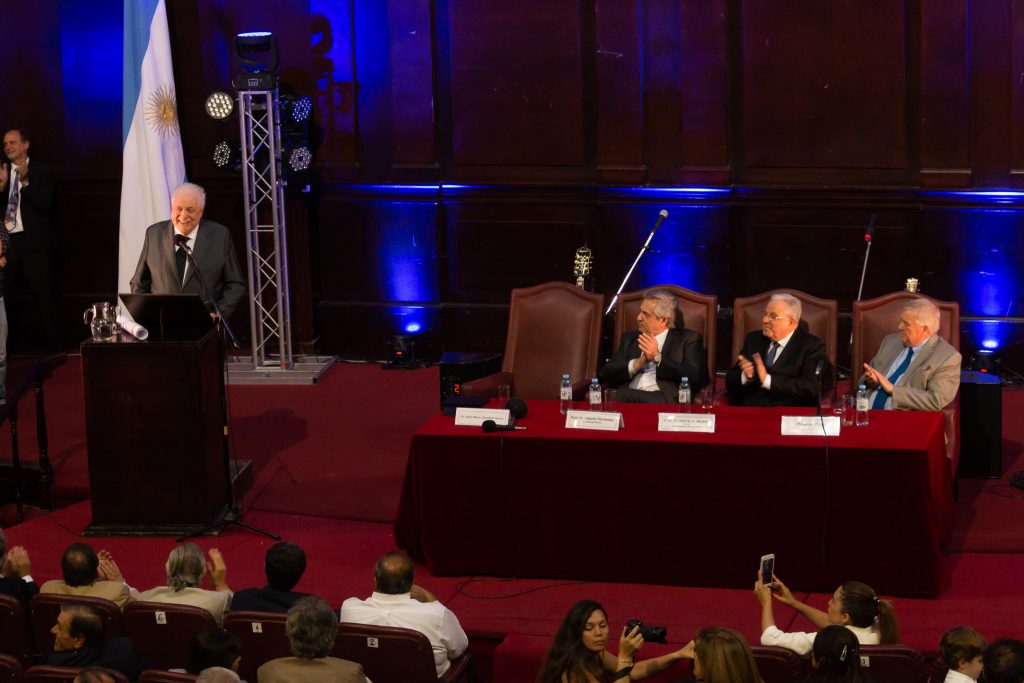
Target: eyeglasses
773,316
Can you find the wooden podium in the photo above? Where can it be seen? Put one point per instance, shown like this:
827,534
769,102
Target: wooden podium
155,434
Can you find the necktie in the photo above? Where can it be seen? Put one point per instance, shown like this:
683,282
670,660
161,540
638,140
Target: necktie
773,351
179,257
881,396
11,215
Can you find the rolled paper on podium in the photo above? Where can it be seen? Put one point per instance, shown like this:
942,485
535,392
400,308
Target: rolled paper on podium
133,328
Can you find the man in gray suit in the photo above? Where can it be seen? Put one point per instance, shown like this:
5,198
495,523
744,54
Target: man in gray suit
163,268
914,369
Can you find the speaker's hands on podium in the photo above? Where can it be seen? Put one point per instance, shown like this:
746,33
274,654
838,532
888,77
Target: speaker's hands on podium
218,571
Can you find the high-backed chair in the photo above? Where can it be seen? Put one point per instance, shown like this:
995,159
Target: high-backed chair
873,319
62,674
46,606
10,669
162,632
893,663
699,311
777,665
263,638
818,316
553,328
394,655
160,676
17,634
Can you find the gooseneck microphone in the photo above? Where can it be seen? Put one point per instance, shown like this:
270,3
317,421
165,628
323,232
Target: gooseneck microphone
491,426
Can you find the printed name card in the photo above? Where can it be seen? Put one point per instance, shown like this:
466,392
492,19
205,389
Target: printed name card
686,422
594,419
474,417
809,425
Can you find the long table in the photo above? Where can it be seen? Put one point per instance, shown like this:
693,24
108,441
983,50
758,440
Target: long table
642,506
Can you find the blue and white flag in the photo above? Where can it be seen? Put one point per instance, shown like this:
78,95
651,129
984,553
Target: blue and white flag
153,160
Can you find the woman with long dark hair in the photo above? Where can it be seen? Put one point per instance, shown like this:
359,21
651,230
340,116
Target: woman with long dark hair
836,657
579,655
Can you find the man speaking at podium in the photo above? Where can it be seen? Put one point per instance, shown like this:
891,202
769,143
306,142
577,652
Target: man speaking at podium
164,268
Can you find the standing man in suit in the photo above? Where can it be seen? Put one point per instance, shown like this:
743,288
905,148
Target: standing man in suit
27,189
163,267
915,368
650,362
781,365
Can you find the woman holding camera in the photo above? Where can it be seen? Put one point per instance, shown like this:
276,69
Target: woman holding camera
854,605
578,654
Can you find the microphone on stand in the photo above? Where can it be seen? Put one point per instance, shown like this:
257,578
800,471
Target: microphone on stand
870,232
662,215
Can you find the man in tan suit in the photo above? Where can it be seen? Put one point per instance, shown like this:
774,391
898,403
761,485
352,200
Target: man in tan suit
88,573
186,567
914,368
312,627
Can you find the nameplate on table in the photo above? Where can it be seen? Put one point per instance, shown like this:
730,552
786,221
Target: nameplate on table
809,425
474,417
593,419
686,422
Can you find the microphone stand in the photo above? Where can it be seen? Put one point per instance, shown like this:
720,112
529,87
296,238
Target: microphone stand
662,215
869,235
232,513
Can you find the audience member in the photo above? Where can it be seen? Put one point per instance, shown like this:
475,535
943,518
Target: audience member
186,567
312,627
95,674
579,652
78,641
836,658
1004,661
963,651
214,648
721,655
651,361
90,574
284,566
15,573
217,674
780,364
398,602
853,605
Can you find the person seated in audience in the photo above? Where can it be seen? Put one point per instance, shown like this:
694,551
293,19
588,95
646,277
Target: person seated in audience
78,641
579,652
95,674
16,573
217,674
90,574
312,627
915,368
399,602
1004,661
836,658
186,567
781,364
963,650
284,565
214,648
650,362
854,605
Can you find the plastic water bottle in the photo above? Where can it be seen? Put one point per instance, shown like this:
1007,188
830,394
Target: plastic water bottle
565,394
862,406
594,394
684,396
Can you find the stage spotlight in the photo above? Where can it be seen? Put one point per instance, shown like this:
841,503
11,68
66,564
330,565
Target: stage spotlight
220,105
297,110
299,158
226,155
256,56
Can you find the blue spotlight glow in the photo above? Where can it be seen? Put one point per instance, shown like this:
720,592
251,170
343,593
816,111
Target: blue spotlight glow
413,328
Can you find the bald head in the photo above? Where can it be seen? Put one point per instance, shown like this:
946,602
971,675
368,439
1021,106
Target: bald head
394,574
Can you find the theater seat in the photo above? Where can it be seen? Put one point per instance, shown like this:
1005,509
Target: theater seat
699,313
394,655
162,632
14,625
10,669
159,676
777,665
552,328
263,637
46,606
62,674
893,663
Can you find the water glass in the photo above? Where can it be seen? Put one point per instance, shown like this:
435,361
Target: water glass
504,393
609,400
849,409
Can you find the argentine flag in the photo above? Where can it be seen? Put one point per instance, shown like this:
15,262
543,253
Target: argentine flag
153,160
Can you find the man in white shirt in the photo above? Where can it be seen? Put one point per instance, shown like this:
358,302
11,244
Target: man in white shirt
398,602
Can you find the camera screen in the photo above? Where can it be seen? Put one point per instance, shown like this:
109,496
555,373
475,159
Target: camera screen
768,569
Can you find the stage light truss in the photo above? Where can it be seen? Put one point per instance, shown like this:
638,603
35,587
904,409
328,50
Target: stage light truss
266,234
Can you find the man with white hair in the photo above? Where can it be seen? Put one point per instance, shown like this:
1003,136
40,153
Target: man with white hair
915,368
164,268
781,364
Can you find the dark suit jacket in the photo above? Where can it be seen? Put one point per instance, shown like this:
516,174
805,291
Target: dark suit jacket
18,588
793,381
36,202
682,355
264,599
157,271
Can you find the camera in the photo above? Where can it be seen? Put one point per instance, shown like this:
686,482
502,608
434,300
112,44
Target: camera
650,634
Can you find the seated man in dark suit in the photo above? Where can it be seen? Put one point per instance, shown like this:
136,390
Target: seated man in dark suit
650,362
78,642
284,565
15,573
780,365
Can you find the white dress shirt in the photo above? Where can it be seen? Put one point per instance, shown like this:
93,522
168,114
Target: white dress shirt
801,643
14,177
957,677
191,246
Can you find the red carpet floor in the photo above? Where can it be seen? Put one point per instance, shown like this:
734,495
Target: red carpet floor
337,456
